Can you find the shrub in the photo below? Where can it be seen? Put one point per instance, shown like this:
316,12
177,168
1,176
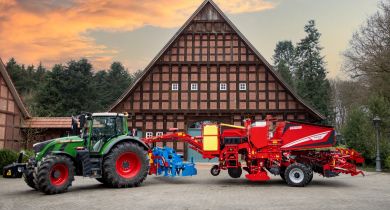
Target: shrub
7,157
27,155
387,162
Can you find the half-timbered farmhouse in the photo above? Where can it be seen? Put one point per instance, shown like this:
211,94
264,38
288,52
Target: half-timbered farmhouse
208,72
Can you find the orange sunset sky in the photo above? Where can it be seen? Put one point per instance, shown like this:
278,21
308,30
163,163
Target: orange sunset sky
131,31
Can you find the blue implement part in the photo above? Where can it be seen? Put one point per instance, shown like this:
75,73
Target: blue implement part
169,163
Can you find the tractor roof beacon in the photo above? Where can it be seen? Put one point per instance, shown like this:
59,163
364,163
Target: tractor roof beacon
103,149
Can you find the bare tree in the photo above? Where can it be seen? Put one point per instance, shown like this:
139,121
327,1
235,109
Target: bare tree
368,57
345,95
31,136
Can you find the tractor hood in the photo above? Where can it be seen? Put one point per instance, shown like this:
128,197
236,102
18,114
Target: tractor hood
41,145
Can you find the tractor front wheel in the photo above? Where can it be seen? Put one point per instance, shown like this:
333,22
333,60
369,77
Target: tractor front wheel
235,172
28,176
55,174
127,165
297,175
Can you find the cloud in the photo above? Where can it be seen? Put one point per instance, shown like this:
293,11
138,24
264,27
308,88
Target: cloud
56,31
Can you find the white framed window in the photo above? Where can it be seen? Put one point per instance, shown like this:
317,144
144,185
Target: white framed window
222,86
159,133
175,86
242,86
194,86
148,134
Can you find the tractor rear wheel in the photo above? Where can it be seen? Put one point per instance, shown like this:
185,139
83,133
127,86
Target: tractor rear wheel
55,174
28,176
235,172
297,175
127,165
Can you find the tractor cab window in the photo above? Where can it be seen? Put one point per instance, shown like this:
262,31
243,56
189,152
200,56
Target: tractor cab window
103,128
119,125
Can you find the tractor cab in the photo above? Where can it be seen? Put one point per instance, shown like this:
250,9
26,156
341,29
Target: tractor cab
101,127
97,128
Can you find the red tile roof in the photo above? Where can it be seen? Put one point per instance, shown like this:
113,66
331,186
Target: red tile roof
48,122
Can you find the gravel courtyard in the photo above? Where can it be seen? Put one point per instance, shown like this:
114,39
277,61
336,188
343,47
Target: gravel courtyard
207,192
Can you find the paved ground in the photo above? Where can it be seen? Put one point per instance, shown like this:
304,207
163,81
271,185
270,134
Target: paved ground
207,192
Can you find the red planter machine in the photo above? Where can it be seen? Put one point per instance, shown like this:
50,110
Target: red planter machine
293,150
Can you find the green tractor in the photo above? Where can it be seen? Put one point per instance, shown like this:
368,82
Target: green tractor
104,150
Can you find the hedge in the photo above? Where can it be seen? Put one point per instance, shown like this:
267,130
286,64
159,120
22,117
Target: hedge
10,156
7,157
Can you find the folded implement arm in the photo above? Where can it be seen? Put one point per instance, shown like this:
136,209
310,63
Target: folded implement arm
195,142
166,161
346,161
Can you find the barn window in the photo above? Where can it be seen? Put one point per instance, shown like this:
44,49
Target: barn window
159,133
148,134
194,86
175,86
242,86
222,86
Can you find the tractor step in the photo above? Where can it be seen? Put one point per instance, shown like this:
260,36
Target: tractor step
92,166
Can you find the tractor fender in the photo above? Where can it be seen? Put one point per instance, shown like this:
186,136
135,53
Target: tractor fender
114,142
64,154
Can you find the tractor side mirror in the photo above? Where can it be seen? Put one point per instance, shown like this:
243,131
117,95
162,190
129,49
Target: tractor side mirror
74,127
134,132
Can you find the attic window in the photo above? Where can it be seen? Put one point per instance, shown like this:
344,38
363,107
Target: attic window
194,86
222,86
242,86
149,134
175,86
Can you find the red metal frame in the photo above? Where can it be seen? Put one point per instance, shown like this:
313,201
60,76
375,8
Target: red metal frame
128,165
62,172
285,143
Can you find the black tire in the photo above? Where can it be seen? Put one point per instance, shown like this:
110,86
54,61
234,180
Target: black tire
235,172
297,175
282,171
311,174
215,170
28,176
282,176
113,178
49,170
101,180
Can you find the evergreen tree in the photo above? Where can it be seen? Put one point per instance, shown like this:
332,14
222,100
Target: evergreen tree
112,84
359,134
40,73
284,57
311,82
68,90
18,75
